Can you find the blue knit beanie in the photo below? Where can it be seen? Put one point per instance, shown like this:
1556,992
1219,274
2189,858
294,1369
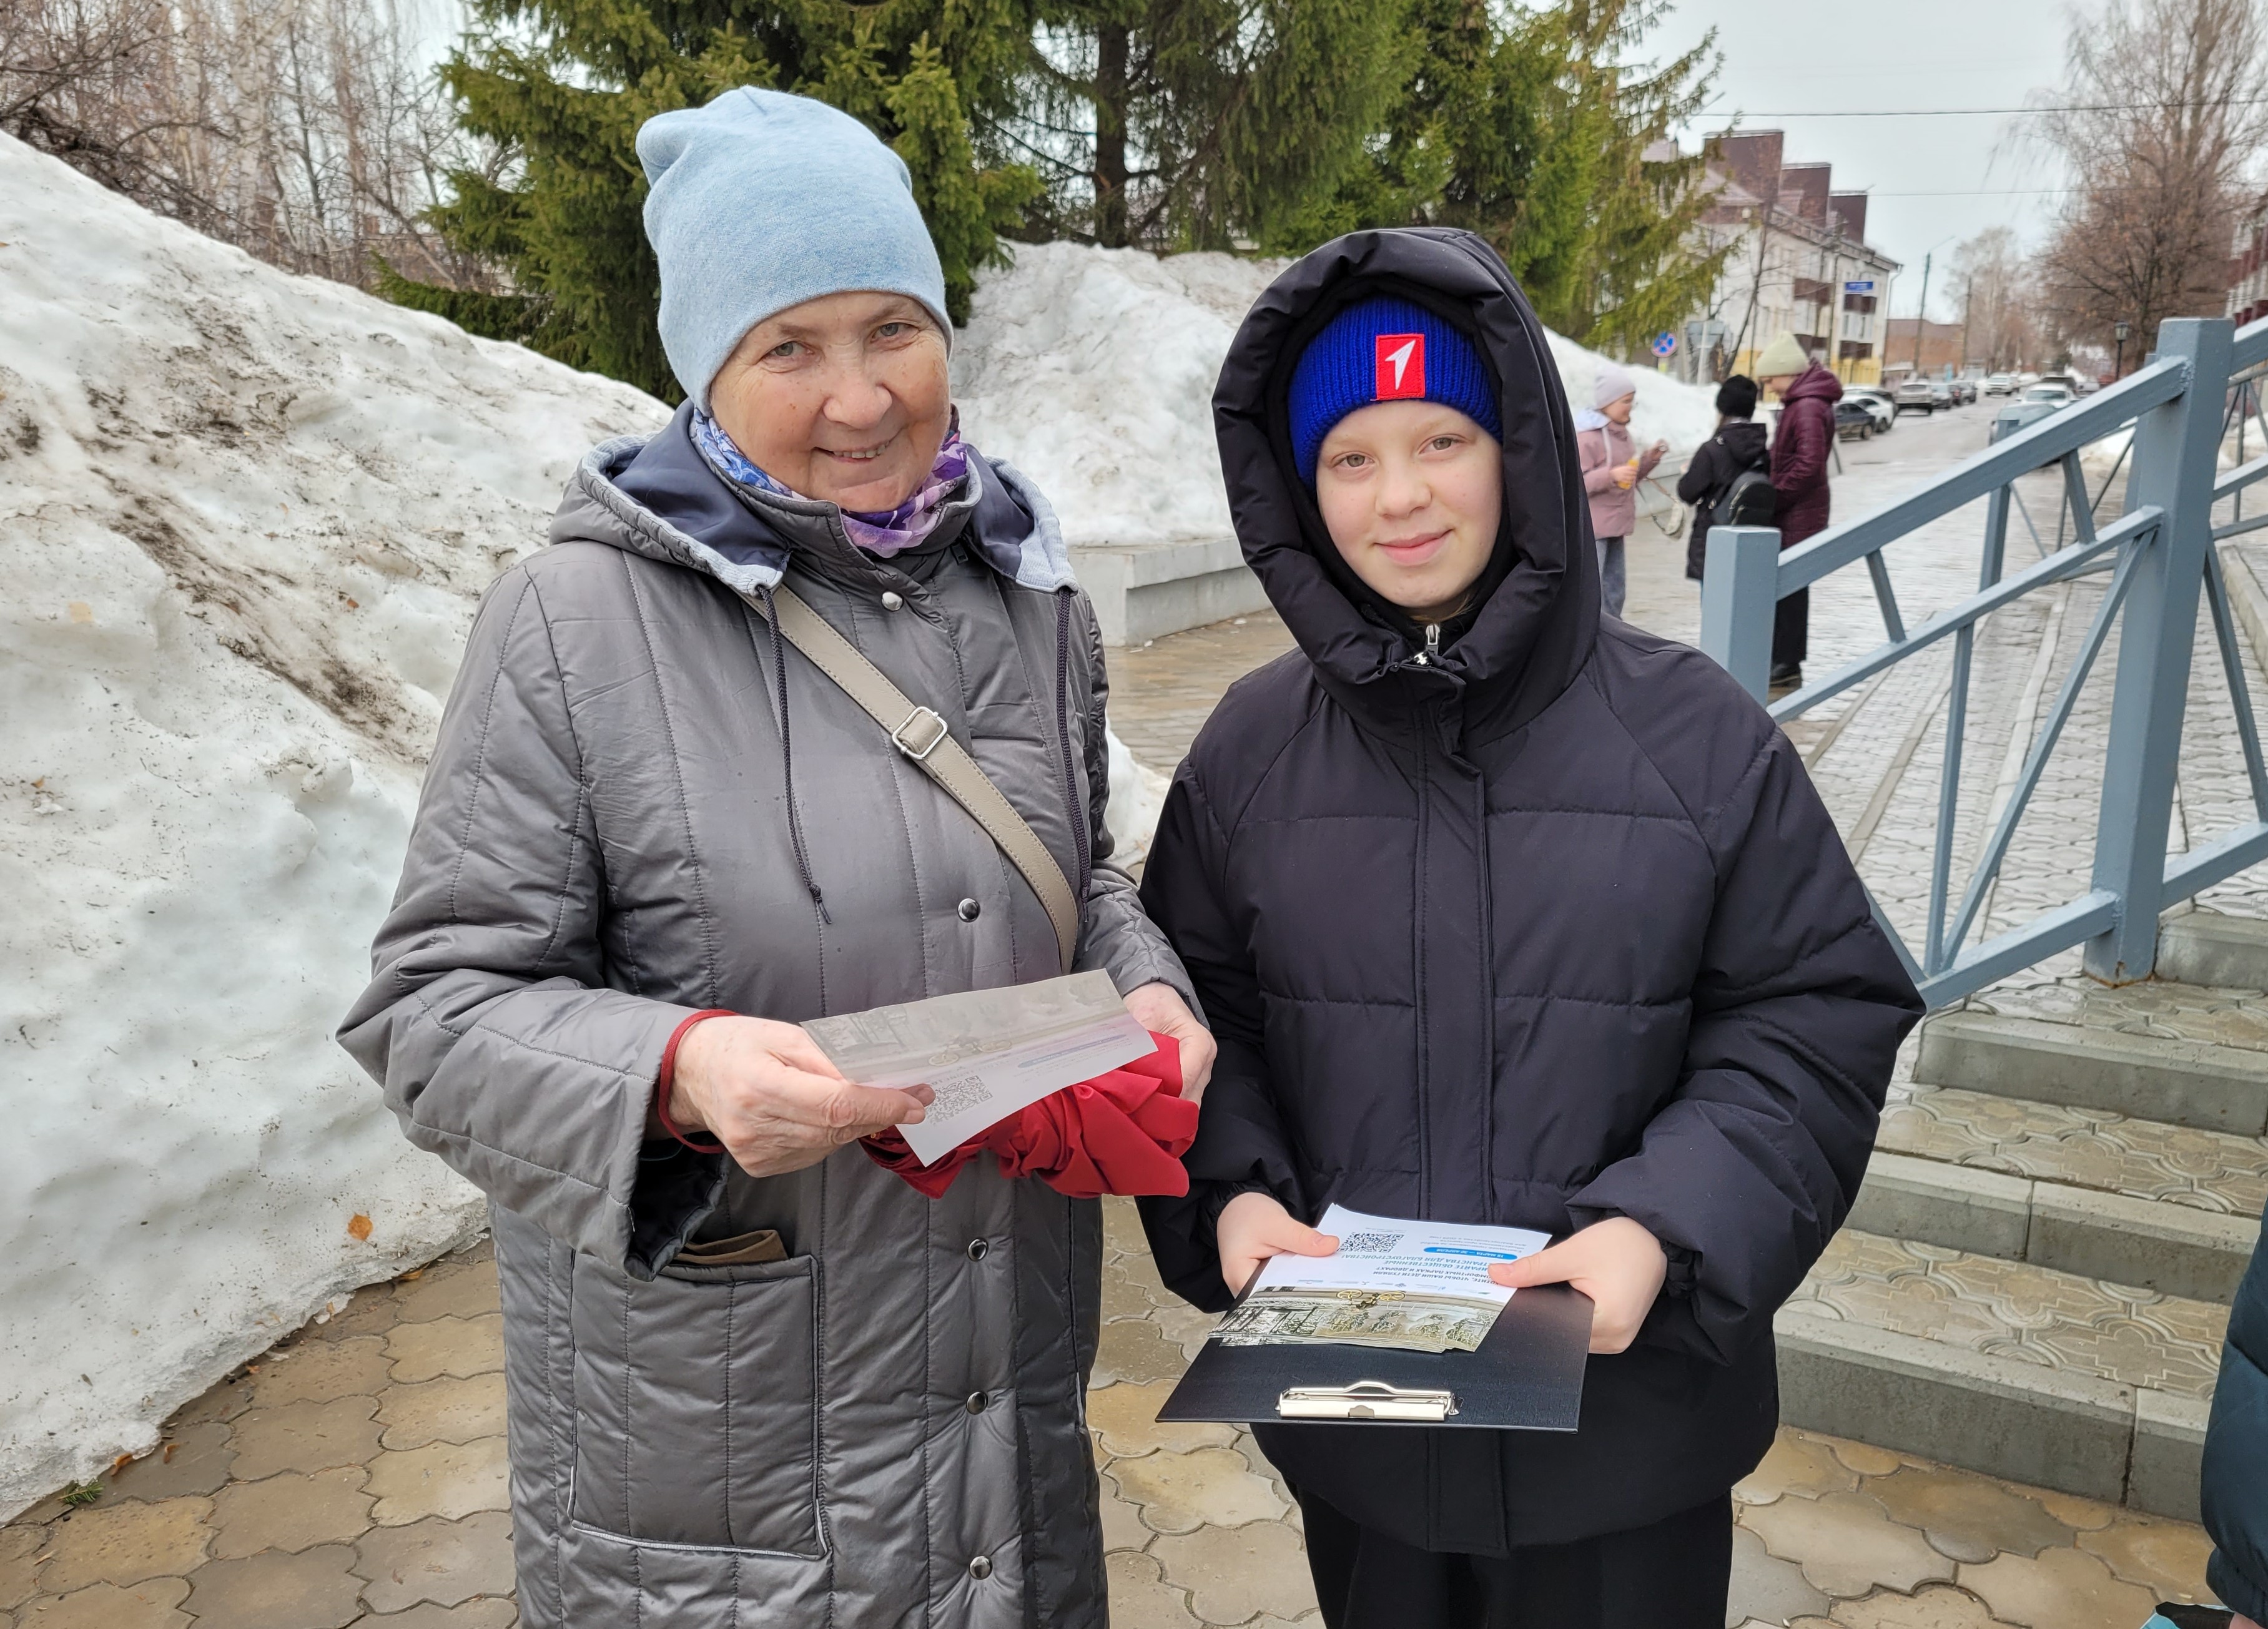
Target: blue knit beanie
762,201
1384,349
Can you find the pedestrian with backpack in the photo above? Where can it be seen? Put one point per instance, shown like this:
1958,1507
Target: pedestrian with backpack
1612,468
1728,481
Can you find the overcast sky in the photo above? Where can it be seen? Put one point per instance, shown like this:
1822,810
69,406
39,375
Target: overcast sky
1934,181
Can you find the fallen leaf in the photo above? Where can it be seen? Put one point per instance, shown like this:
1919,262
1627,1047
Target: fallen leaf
412,1276
167,1458
359,1227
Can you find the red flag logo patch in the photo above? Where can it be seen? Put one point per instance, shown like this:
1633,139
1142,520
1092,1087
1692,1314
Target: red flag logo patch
1401,366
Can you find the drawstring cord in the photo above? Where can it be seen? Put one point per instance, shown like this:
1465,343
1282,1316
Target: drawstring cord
1062,741
787,757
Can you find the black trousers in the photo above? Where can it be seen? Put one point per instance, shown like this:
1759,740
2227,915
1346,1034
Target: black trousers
1672,1576
1792,630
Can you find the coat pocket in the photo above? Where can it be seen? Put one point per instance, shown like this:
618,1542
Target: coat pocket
696,1404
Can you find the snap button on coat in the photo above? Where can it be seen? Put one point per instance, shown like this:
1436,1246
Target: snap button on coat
970,910
980,1567
978,1249
893,601
975,1404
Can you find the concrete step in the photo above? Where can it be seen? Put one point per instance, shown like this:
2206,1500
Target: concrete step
2175,1249
2004,1366
2205,948
1145,591
2180,1082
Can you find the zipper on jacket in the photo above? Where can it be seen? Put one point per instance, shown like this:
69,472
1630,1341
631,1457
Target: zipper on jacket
1424,1059
1430,655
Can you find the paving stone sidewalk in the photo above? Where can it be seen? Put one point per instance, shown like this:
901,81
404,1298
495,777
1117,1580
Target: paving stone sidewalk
355,1475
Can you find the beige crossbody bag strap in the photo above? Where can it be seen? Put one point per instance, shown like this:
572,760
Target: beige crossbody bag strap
920,733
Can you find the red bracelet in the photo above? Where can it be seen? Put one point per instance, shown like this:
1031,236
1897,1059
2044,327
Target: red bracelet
668,1077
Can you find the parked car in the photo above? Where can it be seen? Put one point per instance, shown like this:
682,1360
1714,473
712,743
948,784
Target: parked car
1965,391
2001,385
1877,402
1940,393
1914,396
1852,421
2055,395
2019,414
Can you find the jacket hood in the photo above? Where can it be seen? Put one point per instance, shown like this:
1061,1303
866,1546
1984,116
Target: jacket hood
1537,619
1815,383
657,496
1746,440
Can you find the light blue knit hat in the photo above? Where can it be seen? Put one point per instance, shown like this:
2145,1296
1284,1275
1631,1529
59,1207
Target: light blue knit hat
762,201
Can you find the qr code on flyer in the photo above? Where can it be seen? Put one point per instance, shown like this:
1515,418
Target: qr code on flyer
1369,1243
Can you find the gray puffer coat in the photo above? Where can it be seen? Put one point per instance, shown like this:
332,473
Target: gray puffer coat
888,1427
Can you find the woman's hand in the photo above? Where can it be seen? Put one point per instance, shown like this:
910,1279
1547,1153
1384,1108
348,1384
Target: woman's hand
766,1091
1625,477
1253,1226
1160,1007
1616,1263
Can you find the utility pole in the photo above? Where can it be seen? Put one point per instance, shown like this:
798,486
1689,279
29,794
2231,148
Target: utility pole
1835,299
1921,314
1968,304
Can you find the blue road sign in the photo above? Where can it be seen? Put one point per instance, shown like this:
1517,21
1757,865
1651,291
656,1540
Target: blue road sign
1665,344
1864,286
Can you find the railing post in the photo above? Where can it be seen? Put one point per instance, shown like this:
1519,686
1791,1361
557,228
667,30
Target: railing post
2175,448
1739,590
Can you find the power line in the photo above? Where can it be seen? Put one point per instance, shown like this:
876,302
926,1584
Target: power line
1963,112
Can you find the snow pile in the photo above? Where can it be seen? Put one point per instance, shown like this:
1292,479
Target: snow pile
1091,371
243,517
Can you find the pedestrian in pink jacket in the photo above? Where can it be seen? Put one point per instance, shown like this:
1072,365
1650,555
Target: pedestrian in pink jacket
1612,469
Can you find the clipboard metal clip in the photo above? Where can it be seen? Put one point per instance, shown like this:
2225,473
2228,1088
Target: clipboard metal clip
1366,1399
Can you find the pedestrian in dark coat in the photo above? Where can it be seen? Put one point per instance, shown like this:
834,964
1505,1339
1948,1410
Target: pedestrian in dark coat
1801,447
1506,914
1739,446
2234,1484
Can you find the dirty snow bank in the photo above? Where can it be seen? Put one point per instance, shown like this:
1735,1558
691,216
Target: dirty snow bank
1091,371
243,517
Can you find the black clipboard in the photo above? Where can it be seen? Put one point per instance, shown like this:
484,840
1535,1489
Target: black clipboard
1526,1376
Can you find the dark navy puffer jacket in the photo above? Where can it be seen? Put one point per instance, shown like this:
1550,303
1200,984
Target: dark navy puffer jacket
2235,1481
1551,930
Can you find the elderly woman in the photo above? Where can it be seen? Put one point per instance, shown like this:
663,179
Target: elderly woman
753,1377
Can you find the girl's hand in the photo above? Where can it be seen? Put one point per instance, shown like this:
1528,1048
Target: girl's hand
1616,1263
1253,1226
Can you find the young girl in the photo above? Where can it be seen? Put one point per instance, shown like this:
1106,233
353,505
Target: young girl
1612,468
1504,914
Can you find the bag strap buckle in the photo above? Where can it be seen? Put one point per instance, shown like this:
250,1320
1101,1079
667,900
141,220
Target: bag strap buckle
919,735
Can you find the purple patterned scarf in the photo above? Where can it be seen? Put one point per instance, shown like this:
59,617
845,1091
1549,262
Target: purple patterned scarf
887,532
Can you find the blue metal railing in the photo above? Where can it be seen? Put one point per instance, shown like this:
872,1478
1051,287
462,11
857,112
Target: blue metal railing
2162,552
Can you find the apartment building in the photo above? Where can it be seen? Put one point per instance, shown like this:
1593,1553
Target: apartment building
1797,263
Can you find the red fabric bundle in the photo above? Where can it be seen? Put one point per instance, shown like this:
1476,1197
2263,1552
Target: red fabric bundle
1122,1132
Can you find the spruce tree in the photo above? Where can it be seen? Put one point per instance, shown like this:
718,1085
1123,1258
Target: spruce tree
1526,126
562,85
1218,124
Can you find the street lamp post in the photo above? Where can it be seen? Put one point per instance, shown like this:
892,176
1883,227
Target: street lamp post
2120,331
